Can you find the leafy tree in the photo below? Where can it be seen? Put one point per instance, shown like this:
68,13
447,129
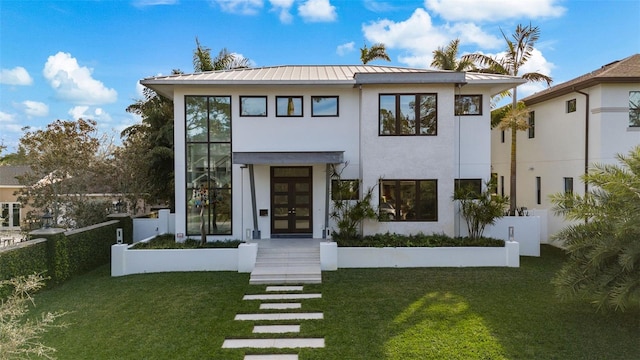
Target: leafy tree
603,243
446,58
375,52
20,338
146,162
225,60
519,50
479,210
66,164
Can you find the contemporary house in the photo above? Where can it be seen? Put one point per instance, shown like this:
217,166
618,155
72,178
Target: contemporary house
255,148
572,125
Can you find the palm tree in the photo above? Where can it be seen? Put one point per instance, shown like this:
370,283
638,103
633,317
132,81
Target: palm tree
519,51
376,52
446,58
225,60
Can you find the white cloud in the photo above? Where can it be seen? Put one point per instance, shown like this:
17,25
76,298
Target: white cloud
469,33
494,10
16,76
417,36
140,90
143,3
284,7
317,11
244,7
379,6
345,48
6,118
34,108
86,112
75,83
9,124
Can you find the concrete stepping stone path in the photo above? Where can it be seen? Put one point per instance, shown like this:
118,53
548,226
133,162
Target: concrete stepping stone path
278,299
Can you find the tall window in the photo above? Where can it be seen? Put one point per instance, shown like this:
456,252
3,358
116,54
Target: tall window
571,105
408,200
568,185
10,215
532,124
208,164
538,190
408,114
634,108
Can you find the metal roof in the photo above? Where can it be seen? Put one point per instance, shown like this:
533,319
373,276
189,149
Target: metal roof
349,75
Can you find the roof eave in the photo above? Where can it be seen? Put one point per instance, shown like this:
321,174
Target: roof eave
569,88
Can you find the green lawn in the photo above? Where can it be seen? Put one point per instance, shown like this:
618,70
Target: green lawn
399,314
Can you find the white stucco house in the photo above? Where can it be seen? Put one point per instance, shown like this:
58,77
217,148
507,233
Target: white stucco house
573,125
254,146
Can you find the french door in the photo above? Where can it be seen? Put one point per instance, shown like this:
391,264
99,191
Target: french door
291,201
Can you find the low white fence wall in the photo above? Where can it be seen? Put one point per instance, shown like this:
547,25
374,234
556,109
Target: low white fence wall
144,228
526,232
125,261
333,257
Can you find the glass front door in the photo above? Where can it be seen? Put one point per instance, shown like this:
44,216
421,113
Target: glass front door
291,202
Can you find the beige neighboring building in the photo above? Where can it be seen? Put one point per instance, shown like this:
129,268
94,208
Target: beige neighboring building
573,125
11,213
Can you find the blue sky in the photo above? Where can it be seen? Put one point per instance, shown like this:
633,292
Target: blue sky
70,59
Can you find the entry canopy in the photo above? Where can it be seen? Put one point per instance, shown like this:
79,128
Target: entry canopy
288,157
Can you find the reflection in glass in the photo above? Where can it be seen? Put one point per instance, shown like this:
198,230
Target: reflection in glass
289,106
324,106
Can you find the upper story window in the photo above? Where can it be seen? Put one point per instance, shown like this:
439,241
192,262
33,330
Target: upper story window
568,185
289,106
324,106
468,105
571,106
208,118
532,124
253,106
634,108
408,114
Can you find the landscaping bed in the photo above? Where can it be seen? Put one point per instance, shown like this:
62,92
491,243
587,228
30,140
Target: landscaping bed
167,241
419,240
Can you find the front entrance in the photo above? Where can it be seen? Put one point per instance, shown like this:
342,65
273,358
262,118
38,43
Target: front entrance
291,202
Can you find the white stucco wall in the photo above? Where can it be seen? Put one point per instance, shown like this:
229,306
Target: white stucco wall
558,149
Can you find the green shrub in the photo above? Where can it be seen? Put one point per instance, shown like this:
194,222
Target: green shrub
419,240
22,261
167,241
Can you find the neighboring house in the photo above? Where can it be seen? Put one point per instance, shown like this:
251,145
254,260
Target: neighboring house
573,125
255,146
11,214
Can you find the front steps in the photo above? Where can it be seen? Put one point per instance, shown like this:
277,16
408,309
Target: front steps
287,261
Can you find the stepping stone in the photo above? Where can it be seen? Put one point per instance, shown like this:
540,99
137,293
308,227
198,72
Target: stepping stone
273,343
280,306
272,357
280,316
276,329
281,296
285,288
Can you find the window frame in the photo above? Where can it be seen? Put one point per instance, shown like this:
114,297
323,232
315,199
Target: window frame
396,202
397,110
634,109
300,97
353,194
314,102
571,106
459,100
266,106
475,183
568,185
531,130
538,190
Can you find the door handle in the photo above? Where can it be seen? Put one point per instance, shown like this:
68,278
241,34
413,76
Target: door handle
292,211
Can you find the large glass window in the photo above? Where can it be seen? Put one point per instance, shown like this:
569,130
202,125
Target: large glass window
634,108
408,114
208,164
532,125
408,200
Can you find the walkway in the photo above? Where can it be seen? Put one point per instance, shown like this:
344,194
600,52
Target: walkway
281,314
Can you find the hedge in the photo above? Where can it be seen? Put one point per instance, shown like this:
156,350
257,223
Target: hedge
64,255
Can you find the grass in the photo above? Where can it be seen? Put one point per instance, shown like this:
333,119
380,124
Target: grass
391,314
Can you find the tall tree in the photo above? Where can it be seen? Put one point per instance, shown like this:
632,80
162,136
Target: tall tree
65,166
375,52
519,50
446,58
603,242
